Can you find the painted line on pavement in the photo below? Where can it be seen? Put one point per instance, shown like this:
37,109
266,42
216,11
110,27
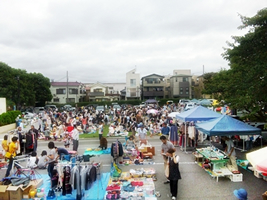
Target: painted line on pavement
182,163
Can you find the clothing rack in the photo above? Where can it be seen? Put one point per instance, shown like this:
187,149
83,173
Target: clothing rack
79,194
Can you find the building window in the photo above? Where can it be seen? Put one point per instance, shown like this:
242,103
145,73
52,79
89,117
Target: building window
187,89
176,79
56,100
70,100
98,90
185,79
133,82
61,91
181,92
73,91
181,89
186,92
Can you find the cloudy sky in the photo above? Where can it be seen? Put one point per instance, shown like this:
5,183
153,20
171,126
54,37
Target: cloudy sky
101,40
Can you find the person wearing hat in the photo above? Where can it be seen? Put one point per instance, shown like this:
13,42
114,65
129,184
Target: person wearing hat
241,194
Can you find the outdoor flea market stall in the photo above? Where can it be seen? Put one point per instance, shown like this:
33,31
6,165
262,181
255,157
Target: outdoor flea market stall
214,160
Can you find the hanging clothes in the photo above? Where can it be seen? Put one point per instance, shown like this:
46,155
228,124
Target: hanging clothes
66,187
174,134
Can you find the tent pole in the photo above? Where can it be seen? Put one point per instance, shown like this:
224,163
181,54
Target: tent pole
185,139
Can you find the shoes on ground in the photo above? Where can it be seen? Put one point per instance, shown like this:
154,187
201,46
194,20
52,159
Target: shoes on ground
173,197
166,182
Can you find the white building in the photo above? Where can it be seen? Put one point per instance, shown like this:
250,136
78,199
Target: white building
104,91
67,92
132,85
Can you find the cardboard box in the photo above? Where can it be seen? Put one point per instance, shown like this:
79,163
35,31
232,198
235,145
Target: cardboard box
15,192
151,150
18,192
4,194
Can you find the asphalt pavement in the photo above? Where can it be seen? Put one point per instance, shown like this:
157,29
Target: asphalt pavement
195,182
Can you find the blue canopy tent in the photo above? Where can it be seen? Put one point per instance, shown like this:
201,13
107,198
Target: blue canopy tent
198,113
226,125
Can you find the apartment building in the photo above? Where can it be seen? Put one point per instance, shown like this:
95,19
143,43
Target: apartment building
132,90
181,84
67,92
152,87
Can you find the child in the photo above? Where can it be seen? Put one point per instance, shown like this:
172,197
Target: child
67,141
32,163
47,133
42,160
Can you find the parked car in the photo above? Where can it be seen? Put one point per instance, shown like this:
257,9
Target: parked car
116,107
38,110
182,102
100,108
28,115
260,125
53,107
189,106
69,108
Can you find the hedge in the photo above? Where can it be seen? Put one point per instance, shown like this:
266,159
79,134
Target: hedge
9,117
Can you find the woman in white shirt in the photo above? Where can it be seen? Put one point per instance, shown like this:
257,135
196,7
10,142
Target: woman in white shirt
75,138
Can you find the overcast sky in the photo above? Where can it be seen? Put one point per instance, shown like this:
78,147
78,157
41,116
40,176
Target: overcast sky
103,40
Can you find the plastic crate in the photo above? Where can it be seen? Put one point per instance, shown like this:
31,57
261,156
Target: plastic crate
236,177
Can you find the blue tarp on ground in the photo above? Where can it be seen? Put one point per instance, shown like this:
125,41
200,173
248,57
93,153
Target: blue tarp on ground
97,191
226,125
198,113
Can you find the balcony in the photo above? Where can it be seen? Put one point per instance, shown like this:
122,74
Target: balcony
153,93
96,94
153,83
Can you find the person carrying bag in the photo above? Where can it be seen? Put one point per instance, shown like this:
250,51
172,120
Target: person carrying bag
172,171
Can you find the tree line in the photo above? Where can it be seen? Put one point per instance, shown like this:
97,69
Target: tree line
244,85
22,88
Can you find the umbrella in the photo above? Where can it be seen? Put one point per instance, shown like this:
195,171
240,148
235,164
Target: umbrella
258,158
152,111
173,114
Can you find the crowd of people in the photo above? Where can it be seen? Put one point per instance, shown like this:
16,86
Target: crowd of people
138,124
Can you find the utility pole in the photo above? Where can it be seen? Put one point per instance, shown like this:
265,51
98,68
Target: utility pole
67,100
18,102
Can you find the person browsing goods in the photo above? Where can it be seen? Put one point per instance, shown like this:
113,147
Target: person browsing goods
165,146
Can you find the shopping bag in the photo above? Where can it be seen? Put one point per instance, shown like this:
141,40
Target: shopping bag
167,171
116,171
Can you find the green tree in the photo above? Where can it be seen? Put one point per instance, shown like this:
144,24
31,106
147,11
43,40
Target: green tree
23,88
41,88
246,88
